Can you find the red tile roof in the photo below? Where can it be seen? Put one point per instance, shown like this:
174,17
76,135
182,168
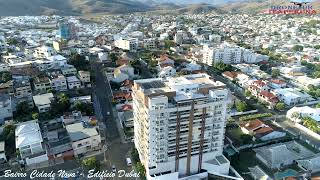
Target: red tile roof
277,81
230,74
252,124
271,97
259,83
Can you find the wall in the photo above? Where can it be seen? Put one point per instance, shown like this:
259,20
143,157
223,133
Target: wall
311,133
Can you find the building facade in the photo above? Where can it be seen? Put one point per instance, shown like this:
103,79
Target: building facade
180,125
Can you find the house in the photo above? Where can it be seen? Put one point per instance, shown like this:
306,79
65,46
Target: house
277,83
43,52
311,164
5,108
41,84
58,82
22,87
291,96
3,158
43,102
268,97
230,75
68,70
167,71
73,82
257,173
58,60
84,77
302,112
126,118
57,140
261,85
29,143
260,130
192,67
123,73
122,96
282,154
304,82
80,99
84,138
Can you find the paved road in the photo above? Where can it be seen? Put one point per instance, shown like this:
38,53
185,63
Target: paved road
289,126
117,151
104,96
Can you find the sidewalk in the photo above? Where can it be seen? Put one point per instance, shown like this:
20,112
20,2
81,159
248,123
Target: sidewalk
120,129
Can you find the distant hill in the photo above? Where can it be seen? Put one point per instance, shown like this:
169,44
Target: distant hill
68,7
256,6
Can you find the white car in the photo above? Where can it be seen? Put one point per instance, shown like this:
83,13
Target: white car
114,168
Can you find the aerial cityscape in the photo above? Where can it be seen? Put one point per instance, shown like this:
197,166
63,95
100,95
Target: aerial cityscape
160,89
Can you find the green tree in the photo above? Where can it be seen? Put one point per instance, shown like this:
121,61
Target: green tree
275,73
113,57
318,105
241,106
6,76
297,48
317,46
310,124
79,62
60,106
12,41
22,108
87,108
35,115
280,106
142,171
168,44
222,67
8,136
91,163
247,93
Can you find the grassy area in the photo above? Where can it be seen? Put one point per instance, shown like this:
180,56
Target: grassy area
238,137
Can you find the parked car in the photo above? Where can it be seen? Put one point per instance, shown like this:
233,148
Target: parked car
129,163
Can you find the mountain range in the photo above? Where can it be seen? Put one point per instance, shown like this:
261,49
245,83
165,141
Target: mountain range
80,7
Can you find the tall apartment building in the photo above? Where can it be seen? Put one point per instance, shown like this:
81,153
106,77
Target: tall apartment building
67,30
130,44
179,126
228,55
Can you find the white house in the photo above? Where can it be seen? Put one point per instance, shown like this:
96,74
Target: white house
291,96
43,102
58,60
167,71
84,138
58,83
29,142
73,82
304,111
84,77
43,52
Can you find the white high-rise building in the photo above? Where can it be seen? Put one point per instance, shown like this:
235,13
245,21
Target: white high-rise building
228,55
179,126
130,44
208,55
